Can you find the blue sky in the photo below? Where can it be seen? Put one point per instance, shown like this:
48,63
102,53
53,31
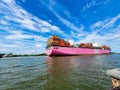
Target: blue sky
25,25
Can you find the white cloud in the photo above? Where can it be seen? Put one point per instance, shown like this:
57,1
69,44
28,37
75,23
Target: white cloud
22,48
94,37
89,5
51,5
15,32
14,13
3,22
38,45
8,1
15,21
105,24
18,35
97,24
105,32
93,3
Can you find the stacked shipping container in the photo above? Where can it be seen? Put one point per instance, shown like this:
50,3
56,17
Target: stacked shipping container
55,41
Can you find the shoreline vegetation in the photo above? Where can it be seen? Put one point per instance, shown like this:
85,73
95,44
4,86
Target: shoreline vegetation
42,54
22,55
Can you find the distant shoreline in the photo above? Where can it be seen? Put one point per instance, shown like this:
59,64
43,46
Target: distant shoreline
114,52
23,55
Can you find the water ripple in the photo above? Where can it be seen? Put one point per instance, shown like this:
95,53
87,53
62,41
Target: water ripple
85,72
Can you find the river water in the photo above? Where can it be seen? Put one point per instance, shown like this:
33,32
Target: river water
85,72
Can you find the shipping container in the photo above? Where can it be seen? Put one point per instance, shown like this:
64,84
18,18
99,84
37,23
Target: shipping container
67,44
83,45
89,45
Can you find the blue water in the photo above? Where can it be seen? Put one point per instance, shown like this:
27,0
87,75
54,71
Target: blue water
85,72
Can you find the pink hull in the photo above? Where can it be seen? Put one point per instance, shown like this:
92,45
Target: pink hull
54,50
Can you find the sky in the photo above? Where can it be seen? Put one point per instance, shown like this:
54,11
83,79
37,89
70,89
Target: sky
25,25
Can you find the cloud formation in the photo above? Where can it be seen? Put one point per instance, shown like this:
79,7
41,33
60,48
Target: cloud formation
24,32
105,32
17,23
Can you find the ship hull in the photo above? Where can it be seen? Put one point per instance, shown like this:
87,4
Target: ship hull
56,51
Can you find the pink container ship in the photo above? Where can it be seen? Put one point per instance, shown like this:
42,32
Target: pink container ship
56,47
